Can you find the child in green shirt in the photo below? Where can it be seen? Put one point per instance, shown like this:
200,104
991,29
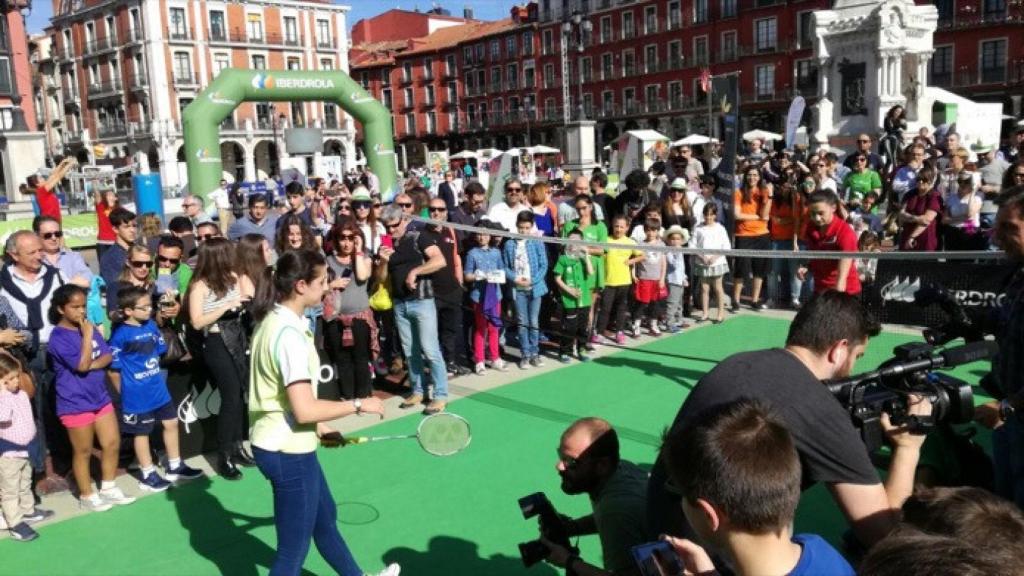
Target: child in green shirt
572,274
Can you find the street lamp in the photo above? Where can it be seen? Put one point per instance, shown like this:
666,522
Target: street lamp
574,30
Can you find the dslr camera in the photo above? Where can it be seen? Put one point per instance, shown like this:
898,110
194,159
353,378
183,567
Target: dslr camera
551,525
911,371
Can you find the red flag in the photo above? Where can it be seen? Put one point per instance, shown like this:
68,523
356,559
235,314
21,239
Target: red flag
705,80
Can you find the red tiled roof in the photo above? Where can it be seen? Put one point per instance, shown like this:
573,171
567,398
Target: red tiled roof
454,35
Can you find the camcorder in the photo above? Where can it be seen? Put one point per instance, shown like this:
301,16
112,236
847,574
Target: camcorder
551,525
912,370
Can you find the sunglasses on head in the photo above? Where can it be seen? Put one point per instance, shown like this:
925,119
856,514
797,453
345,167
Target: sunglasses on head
141,263
172,261
48,235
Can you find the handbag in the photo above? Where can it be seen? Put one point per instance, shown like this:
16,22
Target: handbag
380,300
176,349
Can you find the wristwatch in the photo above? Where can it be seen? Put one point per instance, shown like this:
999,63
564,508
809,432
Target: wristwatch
1006,410
358,405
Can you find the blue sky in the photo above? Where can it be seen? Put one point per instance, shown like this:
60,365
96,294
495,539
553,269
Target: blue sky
483,9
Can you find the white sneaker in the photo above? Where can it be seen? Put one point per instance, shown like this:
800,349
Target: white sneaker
655,331
94,503
636,329
480,369
391,570
499,365
115,496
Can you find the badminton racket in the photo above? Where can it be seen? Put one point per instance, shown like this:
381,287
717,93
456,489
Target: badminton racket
441,434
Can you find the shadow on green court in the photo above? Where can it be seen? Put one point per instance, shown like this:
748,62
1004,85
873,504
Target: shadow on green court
443,552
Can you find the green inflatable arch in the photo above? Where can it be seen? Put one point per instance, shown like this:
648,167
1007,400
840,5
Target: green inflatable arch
201,119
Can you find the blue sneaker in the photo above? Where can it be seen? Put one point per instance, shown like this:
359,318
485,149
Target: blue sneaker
182,472
153,483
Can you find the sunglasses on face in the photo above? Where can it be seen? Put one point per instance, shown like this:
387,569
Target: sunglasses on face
404,204
434,209
347,237
392,226
141,263
49,235
345,207
205,237
513,190
171,261
361,205
188,205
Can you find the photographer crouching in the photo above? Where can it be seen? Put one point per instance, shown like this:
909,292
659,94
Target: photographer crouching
825,339
589,463
1004,416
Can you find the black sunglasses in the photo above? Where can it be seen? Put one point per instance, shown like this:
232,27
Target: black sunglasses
141,263
438,209
508,190
404,204
361,205
205,237
348,237
344,207
1018,175
48,235
173,261
392,226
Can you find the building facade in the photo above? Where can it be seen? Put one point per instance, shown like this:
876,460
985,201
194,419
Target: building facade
128,68
22,149
638,64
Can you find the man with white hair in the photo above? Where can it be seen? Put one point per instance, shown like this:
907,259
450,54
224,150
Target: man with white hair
192,206
567,209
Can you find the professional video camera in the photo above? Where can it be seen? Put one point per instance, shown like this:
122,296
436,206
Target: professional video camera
551,525
960,323
911,371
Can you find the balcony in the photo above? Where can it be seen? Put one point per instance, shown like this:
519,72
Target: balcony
229,125
326,44
139,81
992,18
427,77
450,74
112,129
180,35
99,46
406,79
629,32
185,80
427,103
331,123
218,35
140,129
291,40
135,36
70,95
105,89
408,106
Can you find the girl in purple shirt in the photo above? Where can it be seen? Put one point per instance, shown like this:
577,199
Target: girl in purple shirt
79,354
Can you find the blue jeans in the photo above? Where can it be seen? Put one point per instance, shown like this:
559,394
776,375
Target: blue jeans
303,509
417,329
1008,457
528,316
784,268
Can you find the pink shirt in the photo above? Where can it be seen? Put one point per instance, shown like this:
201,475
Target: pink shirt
16,423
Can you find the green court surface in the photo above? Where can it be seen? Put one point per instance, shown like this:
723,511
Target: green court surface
435,516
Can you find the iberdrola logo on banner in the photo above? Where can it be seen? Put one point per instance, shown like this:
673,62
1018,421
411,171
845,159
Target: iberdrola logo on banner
261,81
204,157
266,81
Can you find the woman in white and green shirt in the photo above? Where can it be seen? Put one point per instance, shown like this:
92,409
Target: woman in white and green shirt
287,418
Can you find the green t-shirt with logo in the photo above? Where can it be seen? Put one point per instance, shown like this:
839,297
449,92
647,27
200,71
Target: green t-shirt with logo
573,272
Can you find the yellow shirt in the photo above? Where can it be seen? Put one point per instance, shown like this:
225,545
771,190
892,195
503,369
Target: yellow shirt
616,270
283,352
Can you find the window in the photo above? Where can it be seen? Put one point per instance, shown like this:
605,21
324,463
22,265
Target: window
326,64
469,83
479,53
628,26
804,29
700,11
330,115
549,75
385,77
499,111
134,24
67,42
386,98
628,63
513,76
675,20
323,33
606,29
728,48
220,62
495,49
291,30
607,67
428,68
450,65
651,58
429,101
547,43
607,101
453,93
527,43
410,123
587,69
409,102
178,24
296,64
298,114
431,122
496,79
254,26
90,33
217,29
467,55
483,114
588,104
510,46
675,94
994,10
115,73
513,105
263,114
650,20
651,95
550,111
700,50
407,72
764,78
182,67
529,77
993,61
940,71
806,77
764,34
481,81
728,8
94,73
471,113
675,54
629,99
259,62
111,30
945,8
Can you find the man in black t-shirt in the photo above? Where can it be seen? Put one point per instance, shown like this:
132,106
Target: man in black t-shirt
447,288
411,265
827,336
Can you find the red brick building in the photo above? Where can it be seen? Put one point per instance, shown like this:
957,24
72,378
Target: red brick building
641,64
